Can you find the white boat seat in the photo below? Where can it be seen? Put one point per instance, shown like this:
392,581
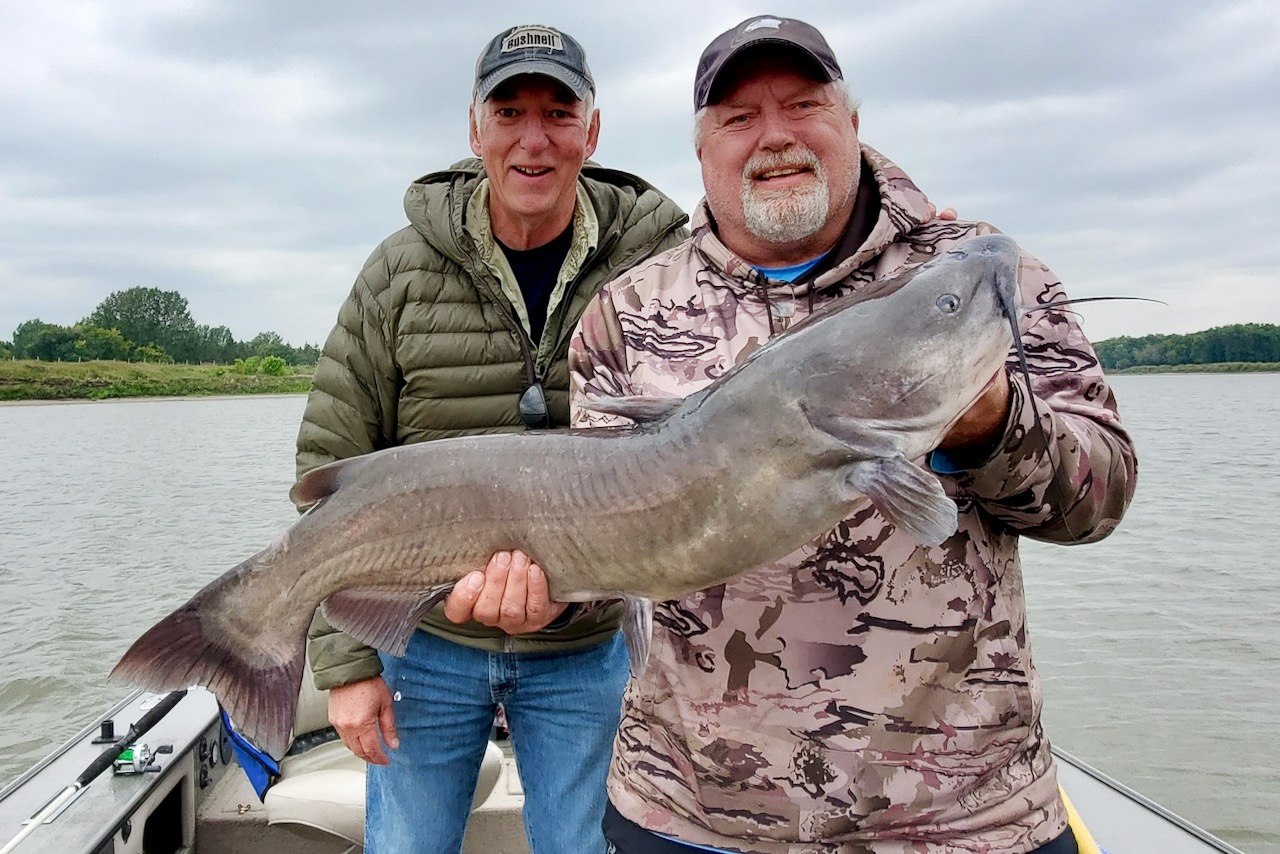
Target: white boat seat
321,790
328,801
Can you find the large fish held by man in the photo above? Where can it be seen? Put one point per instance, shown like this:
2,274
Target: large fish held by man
770,457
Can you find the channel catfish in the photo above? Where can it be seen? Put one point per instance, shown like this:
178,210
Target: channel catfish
771,456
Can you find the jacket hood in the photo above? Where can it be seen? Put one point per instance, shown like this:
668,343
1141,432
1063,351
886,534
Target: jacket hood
903,207
436,205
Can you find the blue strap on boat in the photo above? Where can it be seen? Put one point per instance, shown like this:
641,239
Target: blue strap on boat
262,770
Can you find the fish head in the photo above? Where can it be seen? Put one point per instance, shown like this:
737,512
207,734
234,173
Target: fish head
903,367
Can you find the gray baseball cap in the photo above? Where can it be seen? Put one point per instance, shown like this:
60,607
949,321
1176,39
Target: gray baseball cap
761,30
533,49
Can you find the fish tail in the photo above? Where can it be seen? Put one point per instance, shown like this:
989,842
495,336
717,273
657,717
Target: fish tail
258,690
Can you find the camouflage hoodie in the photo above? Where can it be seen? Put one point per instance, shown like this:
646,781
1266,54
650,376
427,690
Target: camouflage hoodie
865,694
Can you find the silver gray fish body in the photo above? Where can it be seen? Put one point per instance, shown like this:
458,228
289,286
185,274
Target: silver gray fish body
768,458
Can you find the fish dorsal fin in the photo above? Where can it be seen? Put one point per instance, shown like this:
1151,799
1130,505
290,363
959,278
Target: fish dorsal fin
316,485
381,618
642,410
908,496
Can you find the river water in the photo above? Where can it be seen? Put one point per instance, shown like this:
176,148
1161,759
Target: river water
1159,647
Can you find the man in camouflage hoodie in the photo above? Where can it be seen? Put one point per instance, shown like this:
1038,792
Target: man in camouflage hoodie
866,694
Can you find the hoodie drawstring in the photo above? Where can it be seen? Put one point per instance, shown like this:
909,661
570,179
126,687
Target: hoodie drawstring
778,311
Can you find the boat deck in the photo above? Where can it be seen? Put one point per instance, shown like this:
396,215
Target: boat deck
197,792
232,819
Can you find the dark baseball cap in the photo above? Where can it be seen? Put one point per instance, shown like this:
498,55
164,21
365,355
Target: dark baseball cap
761,30
533,49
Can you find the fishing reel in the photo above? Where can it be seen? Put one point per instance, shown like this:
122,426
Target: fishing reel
139,759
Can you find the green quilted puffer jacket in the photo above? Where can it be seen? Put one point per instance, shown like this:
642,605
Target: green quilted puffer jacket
429,345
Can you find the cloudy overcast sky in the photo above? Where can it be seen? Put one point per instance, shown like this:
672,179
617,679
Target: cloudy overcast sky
250,155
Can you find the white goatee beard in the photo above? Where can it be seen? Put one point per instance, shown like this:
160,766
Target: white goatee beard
785,216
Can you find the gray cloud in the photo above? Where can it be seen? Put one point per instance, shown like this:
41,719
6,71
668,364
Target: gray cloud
251,155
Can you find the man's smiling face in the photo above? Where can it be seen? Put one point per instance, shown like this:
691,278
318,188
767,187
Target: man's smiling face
780,159
533,136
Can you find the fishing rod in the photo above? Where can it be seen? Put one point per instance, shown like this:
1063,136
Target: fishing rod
97,766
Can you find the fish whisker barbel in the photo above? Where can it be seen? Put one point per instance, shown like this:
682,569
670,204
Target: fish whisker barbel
1077,300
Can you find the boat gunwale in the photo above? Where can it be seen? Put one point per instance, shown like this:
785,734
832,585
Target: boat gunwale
1145,802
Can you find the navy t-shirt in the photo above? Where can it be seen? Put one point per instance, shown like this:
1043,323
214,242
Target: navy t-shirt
536,271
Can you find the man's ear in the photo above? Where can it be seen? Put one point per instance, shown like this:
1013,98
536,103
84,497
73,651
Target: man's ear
593,132
474,132
855,122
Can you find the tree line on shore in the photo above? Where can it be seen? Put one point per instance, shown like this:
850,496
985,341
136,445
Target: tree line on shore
147,325
1240,342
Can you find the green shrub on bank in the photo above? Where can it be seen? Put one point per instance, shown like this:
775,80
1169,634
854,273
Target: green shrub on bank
271,366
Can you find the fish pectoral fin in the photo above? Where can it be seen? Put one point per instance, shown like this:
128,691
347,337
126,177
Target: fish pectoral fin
908,496
637,631
641,410
379,617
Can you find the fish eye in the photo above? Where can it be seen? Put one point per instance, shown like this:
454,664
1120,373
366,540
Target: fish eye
949,303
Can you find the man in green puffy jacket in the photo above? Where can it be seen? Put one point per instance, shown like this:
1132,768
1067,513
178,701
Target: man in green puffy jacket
459,323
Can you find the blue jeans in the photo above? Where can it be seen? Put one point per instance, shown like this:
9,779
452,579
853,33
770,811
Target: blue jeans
562,710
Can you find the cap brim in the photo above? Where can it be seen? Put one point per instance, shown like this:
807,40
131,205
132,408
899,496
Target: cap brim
775,41
727,59
574,82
